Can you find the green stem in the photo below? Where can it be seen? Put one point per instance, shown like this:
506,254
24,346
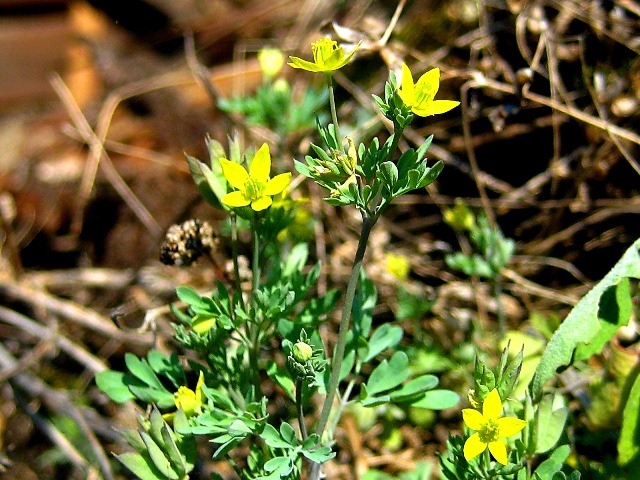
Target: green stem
338,354
234,253
300,406
254,326
332,105
397,133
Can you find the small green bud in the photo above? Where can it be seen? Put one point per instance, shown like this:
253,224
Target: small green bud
302,352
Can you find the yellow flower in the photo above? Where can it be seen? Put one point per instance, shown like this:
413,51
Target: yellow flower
271,61
253,187
189,401
327,57
202,323
490,429
398,265
420,96
460,217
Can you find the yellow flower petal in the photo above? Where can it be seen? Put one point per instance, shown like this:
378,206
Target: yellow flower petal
297,62
199,388
236,199
473,447
407,88
260,165
428,84
492,406
508,426
235,173
327,56
499,452
203,323
261,203
435,107
277,184
473,419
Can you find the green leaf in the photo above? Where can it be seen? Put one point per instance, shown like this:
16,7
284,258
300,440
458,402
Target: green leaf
629,442
133,438
162,398
389,173
414,388
282,378
385,336
438,400
288,434
189,296
173,452
239,429
158,458
141,370
389,374
588,324
112,383
272,437
553,464
319,455
281,465
141,467
209,186
549,422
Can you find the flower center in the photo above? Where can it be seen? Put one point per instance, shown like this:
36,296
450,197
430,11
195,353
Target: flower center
253,190
489,432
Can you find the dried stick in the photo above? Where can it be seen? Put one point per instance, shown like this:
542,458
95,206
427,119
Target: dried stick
57,401
71,311
101,158
72,349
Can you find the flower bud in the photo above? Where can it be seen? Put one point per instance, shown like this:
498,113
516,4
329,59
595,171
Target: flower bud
271,61
302,352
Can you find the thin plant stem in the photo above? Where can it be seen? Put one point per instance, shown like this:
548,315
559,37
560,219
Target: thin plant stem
254,327
338,354
234,254
332,104
300,407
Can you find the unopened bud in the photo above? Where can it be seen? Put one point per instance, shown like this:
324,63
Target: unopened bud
302,352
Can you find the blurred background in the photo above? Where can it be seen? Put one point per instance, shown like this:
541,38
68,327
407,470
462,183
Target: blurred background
101,99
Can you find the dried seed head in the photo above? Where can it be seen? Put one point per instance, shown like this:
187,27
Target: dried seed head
185,243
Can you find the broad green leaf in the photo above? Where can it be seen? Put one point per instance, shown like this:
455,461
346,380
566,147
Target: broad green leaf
589,324
112,383
438,400
189,296
629,442
549,422
141,467
385,336
414,388
553,464
389,374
